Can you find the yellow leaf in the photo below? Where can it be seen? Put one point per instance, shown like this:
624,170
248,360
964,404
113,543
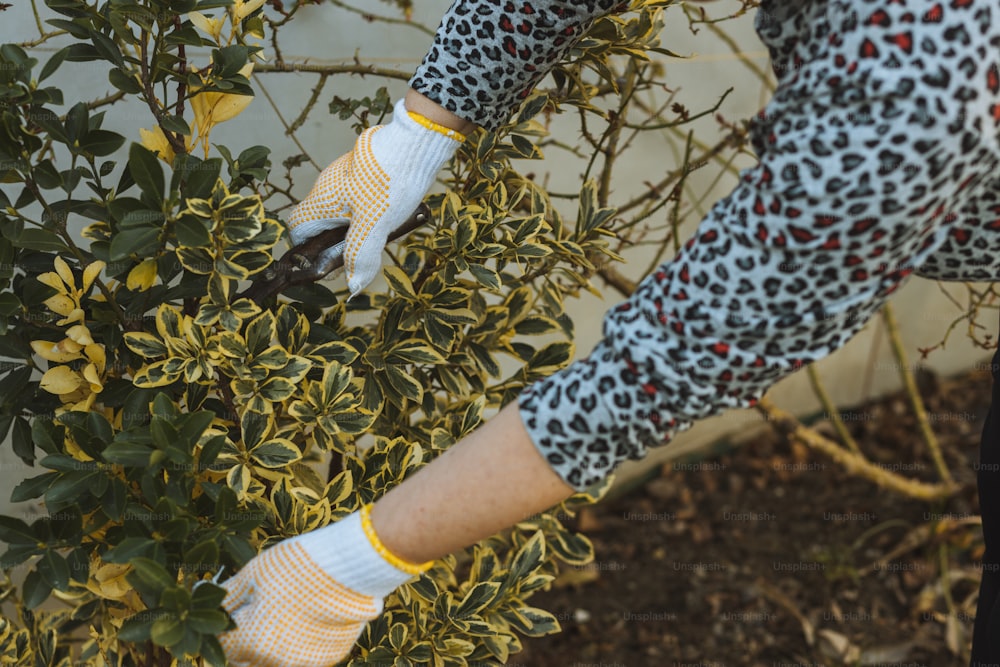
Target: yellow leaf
156,141
210,109
61,304
210,26
142,277
61,352
97,355
91,272
244,8
109,581
80,334
52,280
76,315
60,380
62,268
91,375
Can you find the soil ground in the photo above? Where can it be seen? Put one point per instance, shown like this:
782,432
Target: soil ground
772,556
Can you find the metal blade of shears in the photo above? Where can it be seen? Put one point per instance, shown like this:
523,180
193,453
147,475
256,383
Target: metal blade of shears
309,261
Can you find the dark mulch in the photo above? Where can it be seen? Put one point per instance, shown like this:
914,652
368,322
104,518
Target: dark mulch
763,556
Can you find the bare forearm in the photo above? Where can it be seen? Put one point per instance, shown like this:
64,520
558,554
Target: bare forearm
428,108
490,480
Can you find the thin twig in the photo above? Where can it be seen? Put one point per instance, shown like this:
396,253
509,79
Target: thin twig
910,386
313,98
832,413
368,16
288,130
355,68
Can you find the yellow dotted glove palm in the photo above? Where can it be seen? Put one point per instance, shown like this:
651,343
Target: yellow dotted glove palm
374,189
305,601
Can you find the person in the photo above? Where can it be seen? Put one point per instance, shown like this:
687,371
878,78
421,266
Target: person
878,161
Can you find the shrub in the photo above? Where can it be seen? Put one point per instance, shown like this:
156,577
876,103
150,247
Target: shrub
180,427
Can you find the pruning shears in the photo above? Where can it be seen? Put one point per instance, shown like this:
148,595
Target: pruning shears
308,261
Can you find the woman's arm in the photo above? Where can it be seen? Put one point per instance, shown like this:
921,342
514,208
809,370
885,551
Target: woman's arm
487,56
488,481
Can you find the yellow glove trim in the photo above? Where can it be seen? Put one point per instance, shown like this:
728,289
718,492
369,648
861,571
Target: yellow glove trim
440,129
391,558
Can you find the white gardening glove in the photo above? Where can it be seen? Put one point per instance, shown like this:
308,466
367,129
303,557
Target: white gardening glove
374,189
305,601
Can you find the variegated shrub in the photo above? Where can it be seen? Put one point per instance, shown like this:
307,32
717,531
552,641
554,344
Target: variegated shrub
178,428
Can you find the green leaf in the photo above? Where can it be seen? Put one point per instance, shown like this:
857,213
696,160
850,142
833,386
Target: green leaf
211,651
207,596
209,620
203,553
229,60
151,573
21,440
129,548
138,628
146,171
167,630
107,48
129,454
53,568
35,590
71,486
33,238
175,124
138,241
77,123
54,62
15,531
124,82
32,488
102,142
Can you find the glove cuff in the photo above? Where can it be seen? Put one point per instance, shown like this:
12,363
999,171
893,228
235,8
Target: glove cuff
351,553
430,143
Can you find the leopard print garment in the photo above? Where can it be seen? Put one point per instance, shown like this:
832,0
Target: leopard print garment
879,158
489,54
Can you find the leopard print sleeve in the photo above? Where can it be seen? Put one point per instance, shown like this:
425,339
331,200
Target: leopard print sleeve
878,158
489,54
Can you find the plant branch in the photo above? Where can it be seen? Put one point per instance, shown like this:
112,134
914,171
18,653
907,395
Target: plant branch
356,68
832,413
854,464
910,386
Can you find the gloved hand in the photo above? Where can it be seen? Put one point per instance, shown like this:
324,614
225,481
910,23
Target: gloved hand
305,601
374,189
